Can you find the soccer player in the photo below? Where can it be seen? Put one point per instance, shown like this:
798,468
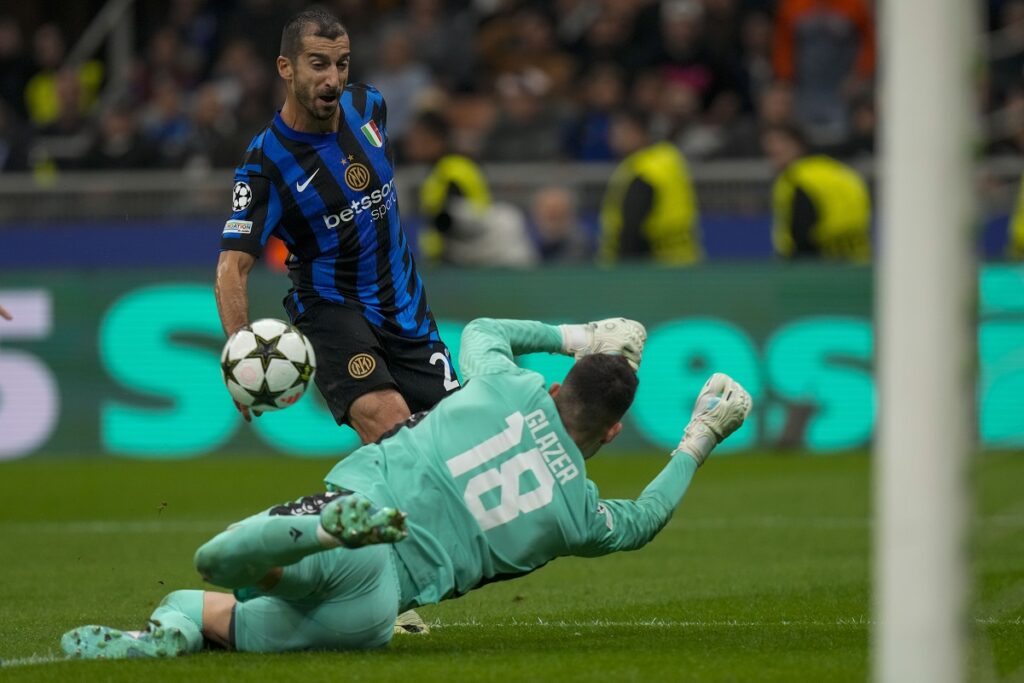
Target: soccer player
321,178
494,484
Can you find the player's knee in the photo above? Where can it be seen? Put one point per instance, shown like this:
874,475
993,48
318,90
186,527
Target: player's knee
210,559
187,602
374,414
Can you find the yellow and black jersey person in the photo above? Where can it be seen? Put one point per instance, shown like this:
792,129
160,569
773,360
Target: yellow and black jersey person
1015,241
452,177
821,207
649,210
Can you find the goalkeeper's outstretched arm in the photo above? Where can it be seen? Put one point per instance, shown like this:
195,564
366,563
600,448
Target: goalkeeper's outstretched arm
720,409
490,345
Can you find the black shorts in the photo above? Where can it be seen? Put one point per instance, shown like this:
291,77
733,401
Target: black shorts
354,358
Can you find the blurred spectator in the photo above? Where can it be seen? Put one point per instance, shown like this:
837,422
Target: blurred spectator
529,127
42,98
774,108
683,56
755,68
645,90
465,227
524,41
443,42
197,28
561,236
119,145
166,60
649,209
588,137
259,23
722,27
826,48
15,66
821,207
608,37
245,85
1007,51
678,118
14,141
164,122
212,140
402,81
863,122
70,116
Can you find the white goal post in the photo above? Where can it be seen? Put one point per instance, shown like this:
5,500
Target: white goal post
925,310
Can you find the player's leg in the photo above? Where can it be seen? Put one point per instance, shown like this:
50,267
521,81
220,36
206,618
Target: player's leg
246,553
254,556
422,368
353,607
376,413
352,370
174,628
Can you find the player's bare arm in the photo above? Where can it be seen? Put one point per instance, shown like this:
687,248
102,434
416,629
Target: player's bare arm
231,290
4,314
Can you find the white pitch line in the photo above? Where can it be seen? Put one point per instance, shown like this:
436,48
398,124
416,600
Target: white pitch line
31,660
669,623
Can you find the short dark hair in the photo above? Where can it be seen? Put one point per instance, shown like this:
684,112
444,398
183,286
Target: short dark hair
595,395
314,21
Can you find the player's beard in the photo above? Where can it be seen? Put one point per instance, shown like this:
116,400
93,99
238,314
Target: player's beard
318,108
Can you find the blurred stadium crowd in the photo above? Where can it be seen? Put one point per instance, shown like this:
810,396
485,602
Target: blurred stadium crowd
517,80
494,80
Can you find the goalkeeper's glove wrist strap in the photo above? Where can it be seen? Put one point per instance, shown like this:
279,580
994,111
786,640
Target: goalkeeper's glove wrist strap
574,338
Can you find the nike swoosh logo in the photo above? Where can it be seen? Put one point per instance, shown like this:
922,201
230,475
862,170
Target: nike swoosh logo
302,186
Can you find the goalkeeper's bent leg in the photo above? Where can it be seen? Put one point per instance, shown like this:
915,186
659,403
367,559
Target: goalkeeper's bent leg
182,610
242,555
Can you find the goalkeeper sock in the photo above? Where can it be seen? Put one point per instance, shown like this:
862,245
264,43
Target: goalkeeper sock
243,554
181,611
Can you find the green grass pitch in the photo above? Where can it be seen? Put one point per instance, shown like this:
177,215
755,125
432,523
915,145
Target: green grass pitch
763,574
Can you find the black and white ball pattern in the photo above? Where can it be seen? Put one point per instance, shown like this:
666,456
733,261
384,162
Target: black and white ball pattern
241,196
268,364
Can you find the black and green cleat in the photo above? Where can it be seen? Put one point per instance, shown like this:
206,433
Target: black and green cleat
103,642
354,521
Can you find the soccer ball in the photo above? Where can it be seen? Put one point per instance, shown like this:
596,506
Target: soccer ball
267,365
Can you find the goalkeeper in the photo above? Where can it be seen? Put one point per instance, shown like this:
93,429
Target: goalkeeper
492,481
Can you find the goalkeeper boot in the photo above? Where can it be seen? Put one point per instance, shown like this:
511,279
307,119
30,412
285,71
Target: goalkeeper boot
410,623
103,642
354,521
721,407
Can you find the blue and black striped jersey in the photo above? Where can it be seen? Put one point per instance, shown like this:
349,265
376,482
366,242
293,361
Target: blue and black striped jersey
332,199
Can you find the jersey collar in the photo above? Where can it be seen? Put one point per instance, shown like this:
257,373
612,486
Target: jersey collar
312,138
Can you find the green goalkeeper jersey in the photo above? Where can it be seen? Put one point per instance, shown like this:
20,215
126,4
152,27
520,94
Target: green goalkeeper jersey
493,485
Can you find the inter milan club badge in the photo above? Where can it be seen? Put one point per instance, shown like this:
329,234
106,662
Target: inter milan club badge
361,365
357,176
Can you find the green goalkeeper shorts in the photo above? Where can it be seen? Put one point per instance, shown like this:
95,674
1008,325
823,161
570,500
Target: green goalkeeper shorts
340,599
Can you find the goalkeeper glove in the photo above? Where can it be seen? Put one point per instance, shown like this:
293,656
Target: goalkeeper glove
615,336
720,409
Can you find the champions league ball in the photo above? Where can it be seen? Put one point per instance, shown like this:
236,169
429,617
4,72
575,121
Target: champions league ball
267,365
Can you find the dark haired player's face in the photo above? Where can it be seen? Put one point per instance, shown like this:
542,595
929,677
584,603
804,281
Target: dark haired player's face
320,73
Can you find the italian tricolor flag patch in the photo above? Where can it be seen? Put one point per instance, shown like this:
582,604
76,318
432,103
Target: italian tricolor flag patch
372,133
